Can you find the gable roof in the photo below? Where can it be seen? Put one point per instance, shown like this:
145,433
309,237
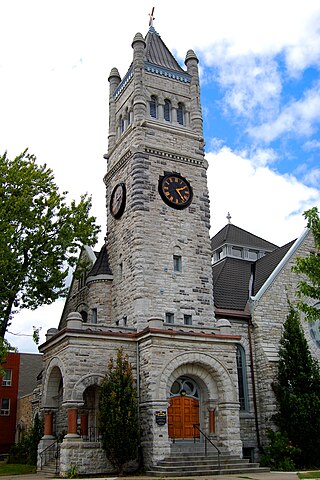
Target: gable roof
234,279
266,265
234,235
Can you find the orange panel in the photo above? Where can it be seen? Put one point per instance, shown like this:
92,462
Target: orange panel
183,413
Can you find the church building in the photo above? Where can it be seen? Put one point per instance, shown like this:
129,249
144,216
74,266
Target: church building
199,319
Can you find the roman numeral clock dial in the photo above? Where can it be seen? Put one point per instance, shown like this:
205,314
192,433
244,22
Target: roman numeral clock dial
175,191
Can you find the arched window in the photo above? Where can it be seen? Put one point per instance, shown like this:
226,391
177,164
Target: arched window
153,107
242,378
180,114
167,110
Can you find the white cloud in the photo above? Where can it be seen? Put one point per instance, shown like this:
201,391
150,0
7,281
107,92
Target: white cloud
44,317
54,98
300,118
259,200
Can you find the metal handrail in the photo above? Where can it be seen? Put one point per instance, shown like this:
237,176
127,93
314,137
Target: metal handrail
206,438
53,452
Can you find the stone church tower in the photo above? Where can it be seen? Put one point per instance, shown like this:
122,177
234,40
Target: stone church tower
150,288
157,195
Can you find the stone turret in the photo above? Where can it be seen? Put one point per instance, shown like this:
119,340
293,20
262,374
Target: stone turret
139,100
114,81
191,62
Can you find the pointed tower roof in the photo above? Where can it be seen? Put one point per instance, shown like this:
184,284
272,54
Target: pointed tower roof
157,53
234,235
101,265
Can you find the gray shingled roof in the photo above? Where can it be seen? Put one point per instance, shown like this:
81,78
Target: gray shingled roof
231,278
101,265
157,53
237,236
231,283
266,265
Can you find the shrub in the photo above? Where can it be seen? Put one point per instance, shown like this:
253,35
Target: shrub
280,454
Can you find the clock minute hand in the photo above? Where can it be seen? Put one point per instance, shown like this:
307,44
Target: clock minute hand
178,190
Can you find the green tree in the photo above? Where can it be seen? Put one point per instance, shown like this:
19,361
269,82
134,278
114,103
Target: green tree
26,450
40,235
309,286
297,390
118,413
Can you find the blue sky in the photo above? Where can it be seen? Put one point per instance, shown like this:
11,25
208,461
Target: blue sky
260,92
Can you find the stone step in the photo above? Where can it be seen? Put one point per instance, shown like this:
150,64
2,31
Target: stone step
202,466
201,455
213,471
190,461
50,469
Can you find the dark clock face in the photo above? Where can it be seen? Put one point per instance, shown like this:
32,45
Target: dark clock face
118,200
175,191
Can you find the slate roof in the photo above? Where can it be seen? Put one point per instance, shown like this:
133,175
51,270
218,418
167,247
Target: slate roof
101,265
157,53
231,276
231,283
266,265
234,235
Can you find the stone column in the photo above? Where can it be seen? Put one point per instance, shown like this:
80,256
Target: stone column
72,423
48,425
212,420
229,427
155,441
84,424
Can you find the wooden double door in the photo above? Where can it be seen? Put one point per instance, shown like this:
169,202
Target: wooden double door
183,413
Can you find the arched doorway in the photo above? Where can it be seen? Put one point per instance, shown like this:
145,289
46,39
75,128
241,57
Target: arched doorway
89,413
183,412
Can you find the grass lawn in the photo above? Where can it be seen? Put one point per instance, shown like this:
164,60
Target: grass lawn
16,469
314,474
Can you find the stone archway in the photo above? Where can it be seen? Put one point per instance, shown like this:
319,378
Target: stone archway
218,390
53,385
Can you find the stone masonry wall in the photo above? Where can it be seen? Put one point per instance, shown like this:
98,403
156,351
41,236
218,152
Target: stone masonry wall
269,315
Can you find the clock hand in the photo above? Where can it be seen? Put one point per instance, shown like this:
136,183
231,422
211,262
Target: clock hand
178,190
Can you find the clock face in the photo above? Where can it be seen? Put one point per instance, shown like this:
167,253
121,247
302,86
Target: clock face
175,191
118,200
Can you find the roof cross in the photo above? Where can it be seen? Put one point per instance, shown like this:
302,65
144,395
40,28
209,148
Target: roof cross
151,18
229,217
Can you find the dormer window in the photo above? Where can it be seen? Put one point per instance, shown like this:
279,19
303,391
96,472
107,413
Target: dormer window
153,106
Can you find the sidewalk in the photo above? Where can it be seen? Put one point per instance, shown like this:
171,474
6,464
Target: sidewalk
240,476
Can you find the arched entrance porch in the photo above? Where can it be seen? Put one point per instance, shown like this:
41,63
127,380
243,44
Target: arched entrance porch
218,400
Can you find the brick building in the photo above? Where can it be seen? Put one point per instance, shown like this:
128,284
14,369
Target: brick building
18,382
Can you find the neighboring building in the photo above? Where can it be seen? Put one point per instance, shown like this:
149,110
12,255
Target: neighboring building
19,381
202,338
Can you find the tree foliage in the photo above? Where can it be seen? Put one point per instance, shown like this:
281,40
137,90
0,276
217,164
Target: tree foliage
297,390
118,417
309,286
26,450
40,235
